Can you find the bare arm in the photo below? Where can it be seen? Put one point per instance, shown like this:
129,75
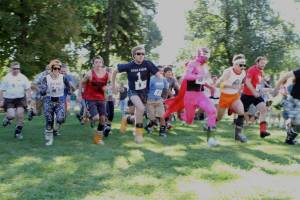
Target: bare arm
250,86
282,81
113,80
87,77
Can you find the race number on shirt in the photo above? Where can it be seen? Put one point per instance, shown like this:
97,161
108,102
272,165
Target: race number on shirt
139,84
158,93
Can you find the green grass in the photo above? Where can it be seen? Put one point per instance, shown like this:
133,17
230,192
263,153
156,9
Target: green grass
179,167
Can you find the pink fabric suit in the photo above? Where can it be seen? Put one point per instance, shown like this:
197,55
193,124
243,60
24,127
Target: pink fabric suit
197,99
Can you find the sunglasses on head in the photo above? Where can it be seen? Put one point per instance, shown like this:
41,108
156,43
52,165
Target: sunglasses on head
140,54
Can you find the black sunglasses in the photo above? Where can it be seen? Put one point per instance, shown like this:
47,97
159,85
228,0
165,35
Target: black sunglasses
242,65
16,68
140,54
56,68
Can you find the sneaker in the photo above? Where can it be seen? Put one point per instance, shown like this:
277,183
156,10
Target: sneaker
98,138
148,130
106,130
30,115
212,142
242,138
19,136
264,134
5,122
163,134
56,133
49,138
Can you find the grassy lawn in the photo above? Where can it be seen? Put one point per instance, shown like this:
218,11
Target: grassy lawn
179,167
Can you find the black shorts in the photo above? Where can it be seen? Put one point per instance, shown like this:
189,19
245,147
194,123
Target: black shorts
247,100
96,107
143,94
14,103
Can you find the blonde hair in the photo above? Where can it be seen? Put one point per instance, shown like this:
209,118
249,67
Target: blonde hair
54,62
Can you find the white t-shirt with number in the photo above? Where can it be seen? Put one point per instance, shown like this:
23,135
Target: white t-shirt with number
14,86
55,87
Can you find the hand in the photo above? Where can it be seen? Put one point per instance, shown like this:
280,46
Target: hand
256,94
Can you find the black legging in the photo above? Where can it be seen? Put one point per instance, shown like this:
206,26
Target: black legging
110,110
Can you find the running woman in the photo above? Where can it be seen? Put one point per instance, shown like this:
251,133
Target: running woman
53,87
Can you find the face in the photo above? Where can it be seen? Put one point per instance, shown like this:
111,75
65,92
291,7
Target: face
240,67
63,70
15,70
262,63
139,56
169,74
98,63
55,69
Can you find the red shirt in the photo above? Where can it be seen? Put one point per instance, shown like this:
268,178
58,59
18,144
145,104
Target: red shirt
94,89
255,74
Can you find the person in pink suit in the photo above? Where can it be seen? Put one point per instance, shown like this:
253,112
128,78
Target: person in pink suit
193,97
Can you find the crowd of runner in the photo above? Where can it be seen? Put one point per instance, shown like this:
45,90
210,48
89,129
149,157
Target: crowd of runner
153,98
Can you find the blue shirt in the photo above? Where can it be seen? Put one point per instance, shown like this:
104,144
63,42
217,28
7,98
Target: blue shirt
156,87
138,75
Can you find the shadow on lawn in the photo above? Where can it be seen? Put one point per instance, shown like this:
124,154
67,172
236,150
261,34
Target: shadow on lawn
90,168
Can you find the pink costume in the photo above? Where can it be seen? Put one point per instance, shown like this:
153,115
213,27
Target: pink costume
194,98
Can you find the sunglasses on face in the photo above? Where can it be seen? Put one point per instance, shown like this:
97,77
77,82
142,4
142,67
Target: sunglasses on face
15,68
139,54
243,65
56,68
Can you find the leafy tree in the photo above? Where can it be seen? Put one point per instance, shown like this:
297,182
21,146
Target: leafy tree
115,27
243,26
34,32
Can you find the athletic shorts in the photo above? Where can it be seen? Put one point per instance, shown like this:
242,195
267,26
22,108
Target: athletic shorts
226,100
155,108
96,107
142,94
14,103
247,100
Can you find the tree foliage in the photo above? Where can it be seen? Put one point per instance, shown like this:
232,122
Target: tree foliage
34,32
242,26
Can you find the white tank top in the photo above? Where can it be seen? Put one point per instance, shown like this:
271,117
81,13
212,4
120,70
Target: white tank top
234,79
55,87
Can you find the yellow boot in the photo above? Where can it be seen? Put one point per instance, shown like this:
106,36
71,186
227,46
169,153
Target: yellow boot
123,125
139,135
98,137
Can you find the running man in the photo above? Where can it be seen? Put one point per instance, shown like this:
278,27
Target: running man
230,84
15,95
138,74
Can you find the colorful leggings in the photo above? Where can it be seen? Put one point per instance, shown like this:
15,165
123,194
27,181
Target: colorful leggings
194,100
51,108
